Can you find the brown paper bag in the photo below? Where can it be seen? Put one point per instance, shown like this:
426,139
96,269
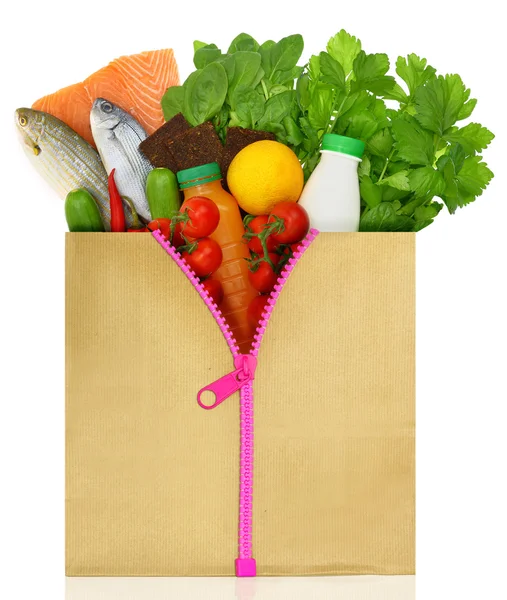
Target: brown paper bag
153,480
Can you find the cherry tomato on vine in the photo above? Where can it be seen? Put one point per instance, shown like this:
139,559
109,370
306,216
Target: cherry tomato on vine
257,225
204,217
255,310
205,258
214,289
264,278
296,222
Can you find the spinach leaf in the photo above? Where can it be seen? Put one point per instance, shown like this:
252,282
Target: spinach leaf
243,68
285,54
249,106
244,42
172,101
205,55
265,52
277,108
205,92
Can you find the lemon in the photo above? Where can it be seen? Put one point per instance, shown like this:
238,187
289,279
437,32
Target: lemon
264,174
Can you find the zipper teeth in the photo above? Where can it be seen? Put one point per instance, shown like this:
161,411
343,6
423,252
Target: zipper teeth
191,276
247,411
246,392
246,471
281,281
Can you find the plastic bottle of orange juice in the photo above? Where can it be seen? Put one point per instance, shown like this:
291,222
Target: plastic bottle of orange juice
233,274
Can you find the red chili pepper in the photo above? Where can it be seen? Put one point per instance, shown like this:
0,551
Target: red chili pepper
116,204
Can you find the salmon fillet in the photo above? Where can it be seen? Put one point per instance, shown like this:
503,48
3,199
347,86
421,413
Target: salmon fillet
135,83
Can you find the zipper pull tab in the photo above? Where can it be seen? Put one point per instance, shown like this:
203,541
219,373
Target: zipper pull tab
228,384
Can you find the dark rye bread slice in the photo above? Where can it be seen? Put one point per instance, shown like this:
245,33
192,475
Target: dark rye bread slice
238,138
157,147
197,146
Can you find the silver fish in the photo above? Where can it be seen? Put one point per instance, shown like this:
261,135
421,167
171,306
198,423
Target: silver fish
117,136
63,157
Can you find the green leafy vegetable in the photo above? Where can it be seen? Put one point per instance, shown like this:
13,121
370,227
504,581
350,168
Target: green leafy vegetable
205,92
416,150
252,85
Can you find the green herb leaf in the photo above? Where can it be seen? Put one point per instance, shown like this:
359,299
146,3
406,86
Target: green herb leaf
440,102
412,142
383,217
314,67
473,137
321,107
172,101
474,176
332,71
362,126
285,54
311,142
303,92
364,167
414,71
397,93
398,181
294,134
370,193
370,70
427,211
381,143
243,42
344,48
206,55
205,92
426,181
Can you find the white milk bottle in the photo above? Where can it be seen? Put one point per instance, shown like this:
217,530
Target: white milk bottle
331,195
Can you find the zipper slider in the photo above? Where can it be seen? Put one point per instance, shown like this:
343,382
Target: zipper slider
228,384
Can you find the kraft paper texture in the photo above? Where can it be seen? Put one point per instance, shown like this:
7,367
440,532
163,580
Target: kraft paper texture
152,479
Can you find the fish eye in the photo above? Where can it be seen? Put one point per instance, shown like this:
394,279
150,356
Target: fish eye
23,121
107,107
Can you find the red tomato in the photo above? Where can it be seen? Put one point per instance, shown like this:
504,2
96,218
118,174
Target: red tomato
257,225
177,240
165,229
255,310
162,224
205,259
264,277
214,289
296,221
204,217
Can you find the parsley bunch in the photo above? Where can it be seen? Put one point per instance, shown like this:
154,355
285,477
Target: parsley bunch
414,153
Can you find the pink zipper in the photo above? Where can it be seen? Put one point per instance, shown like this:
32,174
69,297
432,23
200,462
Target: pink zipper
240,379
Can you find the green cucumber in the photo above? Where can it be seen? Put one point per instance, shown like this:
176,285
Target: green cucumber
82,212
162,193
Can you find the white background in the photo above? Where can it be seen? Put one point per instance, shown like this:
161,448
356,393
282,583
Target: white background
461,299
